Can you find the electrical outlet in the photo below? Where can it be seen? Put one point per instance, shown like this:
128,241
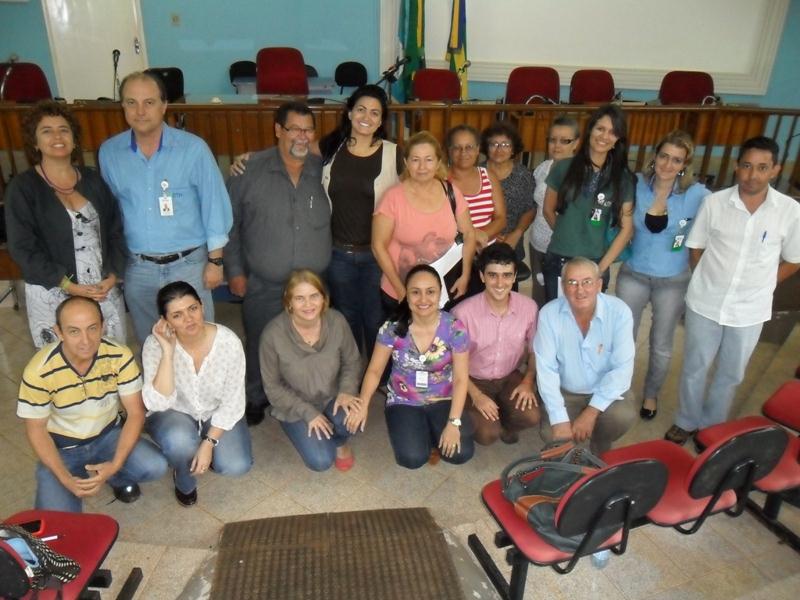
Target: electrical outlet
175,19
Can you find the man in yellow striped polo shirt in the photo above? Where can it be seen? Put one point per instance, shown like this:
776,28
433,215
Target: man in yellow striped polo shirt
70,398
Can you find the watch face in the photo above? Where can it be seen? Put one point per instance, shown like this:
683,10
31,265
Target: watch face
456,422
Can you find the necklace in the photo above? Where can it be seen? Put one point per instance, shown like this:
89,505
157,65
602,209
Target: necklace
66,191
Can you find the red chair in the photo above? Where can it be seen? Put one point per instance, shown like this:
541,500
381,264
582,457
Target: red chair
23,82
533,85
687,87
281,71
591,86
436,85
84,537
616,497
784,405
716,480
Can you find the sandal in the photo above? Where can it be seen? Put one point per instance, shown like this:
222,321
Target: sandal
677,435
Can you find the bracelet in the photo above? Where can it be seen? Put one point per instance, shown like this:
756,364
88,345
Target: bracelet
210,440
65,282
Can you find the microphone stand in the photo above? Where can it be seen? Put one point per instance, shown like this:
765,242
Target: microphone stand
115,59
389,76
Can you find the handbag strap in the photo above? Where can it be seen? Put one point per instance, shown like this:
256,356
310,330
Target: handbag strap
451,195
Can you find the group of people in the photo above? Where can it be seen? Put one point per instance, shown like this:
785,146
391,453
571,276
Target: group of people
351,249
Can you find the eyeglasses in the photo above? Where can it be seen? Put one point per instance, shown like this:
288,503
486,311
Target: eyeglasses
560,141
583,283
468,149
496,145
295,131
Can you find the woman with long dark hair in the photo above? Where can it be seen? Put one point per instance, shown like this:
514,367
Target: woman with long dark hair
427,387
589,199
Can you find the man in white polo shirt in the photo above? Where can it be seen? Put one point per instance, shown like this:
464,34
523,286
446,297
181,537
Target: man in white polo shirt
745,241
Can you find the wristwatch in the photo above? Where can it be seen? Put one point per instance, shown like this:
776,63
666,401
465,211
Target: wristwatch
215,261
455,421
211,440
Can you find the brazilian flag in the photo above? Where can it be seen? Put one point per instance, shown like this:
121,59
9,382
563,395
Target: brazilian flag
412,37
457,46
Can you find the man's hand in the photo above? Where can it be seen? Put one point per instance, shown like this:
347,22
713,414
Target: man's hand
92,484
486,406
584,424
239,165
238,285
212,276
524,397
562,431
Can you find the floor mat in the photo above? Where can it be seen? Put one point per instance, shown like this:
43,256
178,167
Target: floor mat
370,555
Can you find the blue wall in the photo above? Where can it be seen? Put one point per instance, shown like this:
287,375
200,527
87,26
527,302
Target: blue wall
212,34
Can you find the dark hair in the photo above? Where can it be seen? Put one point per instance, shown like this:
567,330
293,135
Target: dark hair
502,128
451,133
331,143
31,120
301,108
566,121
760,142
402,314
614,171
498,253
144,75
174,291
72,300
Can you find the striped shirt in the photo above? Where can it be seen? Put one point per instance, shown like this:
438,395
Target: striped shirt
481,206
78,407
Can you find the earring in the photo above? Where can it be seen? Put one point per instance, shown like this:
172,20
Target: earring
682,172
652,164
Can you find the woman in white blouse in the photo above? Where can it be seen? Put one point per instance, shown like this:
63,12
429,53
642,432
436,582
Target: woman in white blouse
194,392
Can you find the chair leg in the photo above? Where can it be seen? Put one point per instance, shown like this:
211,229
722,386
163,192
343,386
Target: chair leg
771,522
519,575
131,584
100,579
489,566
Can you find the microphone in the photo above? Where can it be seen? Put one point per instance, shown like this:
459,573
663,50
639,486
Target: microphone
402,61
115,56
465,66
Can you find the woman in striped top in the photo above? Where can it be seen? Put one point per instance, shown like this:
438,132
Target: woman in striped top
481,189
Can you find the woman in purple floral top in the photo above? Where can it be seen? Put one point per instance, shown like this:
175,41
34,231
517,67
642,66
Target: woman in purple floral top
427,390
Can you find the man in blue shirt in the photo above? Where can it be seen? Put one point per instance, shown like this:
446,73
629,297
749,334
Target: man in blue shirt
175,207
584,361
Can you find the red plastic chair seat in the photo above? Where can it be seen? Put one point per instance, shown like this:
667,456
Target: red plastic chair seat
685,87
281,70
784,405
535,549
86,538
785,476
524,82
436,85
676,504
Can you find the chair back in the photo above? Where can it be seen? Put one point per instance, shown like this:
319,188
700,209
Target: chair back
436,85
242,68
533,85
591,86
686,87
610,497
784,405
281,70
351,74
311,71
173,81
23,82
733,463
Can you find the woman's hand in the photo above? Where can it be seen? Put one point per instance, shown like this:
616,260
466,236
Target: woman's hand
460,286
356,419
165,336
450,442
239,165
93,291
202,458
321,427
346,402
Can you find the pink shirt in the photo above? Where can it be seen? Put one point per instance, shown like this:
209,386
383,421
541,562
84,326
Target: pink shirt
497,344
418,237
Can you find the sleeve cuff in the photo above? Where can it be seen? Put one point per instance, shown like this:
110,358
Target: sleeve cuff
601,403
217,242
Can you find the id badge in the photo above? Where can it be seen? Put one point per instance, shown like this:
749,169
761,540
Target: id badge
421,380
165,200
677,242
596,217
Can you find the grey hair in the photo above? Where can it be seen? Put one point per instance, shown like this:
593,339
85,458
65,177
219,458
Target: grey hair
580,261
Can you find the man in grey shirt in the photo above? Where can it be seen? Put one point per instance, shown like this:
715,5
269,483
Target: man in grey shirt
281,222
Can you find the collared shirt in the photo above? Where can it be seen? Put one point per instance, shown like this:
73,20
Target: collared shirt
600,364
79,407
184,165
498,343
215,391
653,253
278,226
737,274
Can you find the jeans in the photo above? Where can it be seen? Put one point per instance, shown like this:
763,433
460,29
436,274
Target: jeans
144,463
667,295
551,269
318,455
415,430
706,339
354,279
177,435
144,278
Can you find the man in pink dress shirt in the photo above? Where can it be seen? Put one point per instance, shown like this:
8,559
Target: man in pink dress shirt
501,324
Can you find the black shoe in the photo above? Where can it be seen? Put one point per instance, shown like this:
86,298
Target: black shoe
128,493
254,414
185,499
648,414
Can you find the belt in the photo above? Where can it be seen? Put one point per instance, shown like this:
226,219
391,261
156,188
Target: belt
352,247
165,259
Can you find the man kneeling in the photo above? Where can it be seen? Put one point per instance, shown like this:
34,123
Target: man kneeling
501,325
70,398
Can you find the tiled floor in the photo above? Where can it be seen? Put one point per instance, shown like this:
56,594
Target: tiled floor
174,546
